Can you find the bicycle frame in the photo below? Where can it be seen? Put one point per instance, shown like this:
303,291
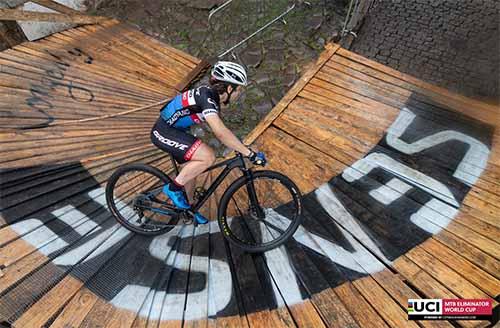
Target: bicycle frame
230,164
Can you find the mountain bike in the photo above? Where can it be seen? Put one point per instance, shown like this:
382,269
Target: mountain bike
257,212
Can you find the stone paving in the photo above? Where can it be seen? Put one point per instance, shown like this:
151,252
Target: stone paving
275,58
450,43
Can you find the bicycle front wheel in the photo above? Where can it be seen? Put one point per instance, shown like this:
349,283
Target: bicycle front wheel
260,214
134,196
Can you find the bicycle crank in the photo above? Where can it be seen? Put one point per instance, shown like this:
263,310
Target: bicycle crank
187,218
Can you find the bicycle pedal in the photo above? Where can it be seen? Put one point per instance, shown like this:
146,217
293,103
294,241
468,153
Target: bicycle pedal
187,219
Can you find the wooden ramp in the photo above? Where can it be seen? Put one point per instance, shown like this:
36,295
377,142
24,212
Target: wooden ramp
401,184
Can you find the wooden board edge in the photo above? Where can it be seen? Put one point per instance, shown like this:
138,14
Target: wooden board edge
23,15
331,49
417,82
192,76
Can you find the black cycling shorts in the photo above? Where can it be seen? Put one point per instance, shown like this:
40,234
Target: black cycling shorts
180,144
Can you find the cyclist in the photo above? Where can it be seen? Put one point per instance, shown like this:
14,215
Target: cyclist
170,133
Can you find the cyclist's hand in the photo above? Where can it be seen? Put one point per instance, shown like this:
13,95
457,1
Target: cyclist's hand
258,158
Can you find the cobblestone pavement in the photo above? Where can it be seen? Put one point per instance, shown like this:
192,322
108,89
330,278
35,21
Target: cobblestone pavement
274,58
449,43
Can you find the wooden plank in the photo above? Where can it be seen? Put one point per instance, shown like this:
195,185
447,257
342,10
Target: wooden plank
47,238
119,60
104,149
84,186
346,96
388,309
99,315
327,304
106,63
355,108
438,94
132,51
39,65
37,179
77,309
17,15
444,274
173,304
50,304
196,309
471,253
148,270
254,295
56,6
339,125
285,153
17,271
359,308
152,315
320,227
220,250
467,270
48,276
125,77
427,285
282,105
395,286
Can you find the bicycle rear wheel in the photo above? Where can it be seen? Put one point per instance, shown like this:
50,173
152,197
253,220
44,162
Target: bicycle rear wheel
135,198
264,221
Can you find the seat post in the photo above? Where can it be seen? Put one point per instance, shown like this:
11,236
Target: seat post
174,163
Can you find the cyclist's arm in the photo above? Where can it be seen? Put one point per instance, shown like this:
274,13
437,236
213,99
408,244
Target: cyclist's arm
225,135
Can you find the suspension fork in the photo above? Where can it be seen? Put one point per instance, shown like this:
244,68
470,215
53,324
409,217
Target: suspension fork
252,194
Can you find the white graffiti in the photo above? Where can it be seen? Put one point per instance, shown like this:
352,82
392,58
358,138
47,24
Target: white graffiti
470,167
404,173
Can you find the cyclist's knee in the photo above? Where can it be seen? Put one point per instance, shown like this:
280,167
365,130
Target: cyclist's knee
205,154
210,159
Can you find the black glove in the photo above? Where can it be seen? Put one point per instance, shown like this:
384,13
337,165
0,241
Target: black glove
257,158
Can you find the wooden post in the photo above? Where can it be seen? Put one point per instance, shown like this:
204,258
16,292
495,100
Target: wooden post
18,15
56,6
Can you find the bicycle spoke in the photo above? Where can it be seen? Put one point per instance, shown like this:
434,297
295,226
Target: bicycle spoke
272,226
138,202
242,219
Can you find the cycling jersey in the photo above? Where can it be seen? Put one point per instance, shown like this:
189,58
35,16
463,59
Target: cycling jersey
190,107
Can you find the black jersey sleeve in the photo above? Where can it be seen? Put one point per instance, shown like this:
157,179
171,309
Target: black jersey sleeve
208,100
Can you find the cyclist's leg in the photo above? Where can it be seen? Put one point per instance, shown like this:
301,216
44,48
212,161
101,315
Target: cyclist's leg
185,148
202,158
181,145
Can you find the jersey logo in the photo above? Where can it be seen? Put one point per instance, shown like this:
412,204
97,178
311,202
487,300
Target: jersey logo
177,115
209,100
169,142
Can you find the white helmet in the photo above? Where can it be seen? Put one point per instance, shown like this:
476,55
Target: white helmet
229,72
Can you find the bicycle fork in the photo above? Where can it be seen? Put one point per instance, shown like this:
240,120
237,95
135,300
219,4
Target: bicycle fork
252,194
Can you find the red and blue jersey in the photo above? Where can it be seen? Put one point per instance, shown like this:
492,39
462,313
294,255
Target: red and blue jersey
191,107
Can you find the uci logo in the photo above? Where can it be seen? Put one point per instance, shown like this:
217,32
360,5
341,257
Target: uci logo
424,306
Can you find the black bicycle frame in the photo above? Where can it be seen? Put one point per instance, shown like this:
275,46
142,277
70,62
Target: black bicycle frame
230,164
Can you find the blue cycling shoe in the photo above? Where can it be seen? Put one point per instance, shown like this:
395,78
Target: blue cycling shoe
177,197
200,218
